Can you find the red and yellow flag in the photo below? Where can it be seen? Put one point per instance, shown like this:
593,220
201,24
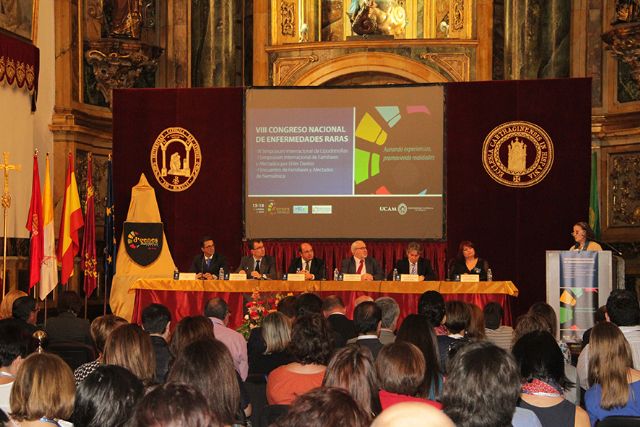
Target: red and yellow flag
89,239
70,223
34,225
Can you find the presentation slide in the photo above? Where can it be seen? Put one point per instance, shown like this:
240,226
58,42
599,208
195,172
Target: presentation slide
344,163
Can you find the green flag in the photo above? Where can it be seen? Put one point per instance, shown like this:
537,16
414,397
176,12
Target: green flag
594,202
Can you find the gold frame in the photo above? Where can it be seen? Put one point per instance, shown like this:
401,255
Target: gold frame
410,32
32,33
430,26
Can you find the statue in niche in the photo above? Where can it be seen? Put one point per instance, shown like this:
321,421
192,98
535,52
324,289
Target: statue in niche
123,18
372,17
332,15
627,11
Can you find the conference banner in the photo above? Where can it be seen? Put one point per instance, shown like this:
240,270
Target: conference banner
578,292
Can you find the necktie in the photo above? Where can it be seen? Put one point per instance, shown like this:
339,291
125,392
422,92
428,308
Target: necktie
257,266
414,269
306,265
360,266
208,262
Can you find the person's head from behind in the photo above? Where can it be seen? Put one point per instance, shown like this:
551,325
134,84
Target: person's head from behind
276,332
493,315
529,323
390,312
70,301
130,347
431,304
101,328
310,340
156,319
107,397
352,368
400,367
333,304
13,348
207,366
6,307
25,309
325,407
540,358
622,308
458,317
417,330
367,318
175,405
476,323
546,312
217,308
288,306
412,414
610,359
482,387
188,330
308,303
44,387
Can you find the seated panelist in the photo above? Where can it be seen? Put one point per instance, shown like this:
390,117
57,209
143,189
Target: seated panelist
359,263
414,263
313,268
467,262
207,265
258,265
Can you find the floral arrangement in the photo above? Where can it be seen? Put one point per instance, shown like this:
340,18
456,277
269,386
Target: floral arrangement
257,309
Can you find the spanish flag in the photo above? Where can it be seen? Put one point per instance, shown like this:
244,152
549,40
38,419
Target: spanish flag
70,223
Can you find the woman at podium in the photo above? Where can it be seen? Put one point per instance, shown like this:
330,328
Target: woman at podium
467,262
584,237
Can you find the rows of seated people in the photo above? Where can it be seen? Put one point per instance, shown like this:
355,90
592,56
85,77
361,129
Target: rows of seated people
313,364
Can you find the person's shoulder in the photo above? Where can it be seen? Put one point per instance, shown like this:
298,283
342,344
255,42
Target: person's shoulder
525,418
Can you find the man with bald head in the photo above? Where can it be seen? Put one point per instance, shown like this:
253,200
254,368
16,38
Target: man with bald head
360,263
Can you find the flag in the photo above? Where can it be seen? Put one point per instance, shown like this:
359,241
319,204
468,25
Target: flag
109,232
34,225
89,240
70,223
49,266
594,202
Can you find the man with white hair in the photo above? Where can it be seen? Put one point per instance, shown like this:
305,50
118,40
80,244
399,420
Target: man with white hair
360,263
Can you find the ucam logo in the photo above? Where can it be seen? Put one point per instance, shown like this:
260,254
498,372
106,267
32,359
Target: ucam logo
401,209
388,209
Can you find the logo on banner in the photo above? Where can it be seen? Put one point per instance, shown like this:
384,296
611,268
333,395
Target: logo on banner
176,159
517,154
144,241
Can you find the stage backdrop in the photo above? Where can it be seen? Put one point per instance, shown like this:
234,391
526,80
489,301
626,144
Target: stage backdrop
511,225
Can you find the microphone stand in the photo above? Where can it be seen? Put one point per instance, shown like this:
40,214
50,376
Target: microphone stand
608,246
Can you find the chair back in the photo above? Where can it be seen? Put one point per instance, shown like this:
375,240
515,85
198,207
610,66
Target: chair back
271,413
619,421
74,353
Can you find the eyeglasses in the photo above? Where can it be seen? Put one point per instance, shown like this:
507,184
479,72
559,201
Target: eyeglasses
362,247
258,248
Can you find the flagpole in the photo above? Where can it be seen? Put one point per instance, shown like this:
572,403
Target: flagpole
6,204
45,312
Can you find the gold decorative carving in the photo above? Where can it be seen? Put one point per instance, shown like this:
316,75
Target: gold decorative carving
624,41
285,68
457,65
458,15
287,19
624,180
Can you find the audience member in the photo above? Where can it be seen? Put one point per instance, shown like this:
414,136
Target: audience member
412,414
336,314
431,304
218,312
13,350
615,385
107,398
400,367
544,382
475,331
188,330
43,392
483,387
208,367
100,329
130,347
598,316
360,263
325,407
276,333
311,348
496,332
359,300
67,326
352,368
417,330
390,314
156,320
308,303
457,322
528,323
546,312
175,405
25,314
6,307
256,344
367,318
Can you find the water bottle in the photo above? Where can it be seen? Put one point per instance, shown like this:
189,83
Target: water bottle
221,274
489,275
336,274
176,274
396,275
284,276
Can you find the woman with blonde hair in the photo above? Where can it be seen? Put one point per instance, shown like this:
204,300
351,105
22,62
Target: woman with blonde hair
276,333
6,307
130,346
188,330
615,385
43,392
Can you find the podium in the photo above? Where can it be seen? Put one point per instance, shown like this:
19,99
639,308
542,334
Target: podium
578,282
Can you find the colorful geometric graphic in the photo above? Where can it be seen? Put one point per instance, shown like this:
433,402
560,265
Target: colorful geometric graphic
567,298
363,167
566,315
369,130
390,114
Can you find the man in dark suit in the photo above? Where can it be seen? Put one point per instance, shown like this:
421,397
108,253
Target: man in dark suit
208,263
336,314
313,268
67,326
156,320
367,318
414,263
258,265
359,263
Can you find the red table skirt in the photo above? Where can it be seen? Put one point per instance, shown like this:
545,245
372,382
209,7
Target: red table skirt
188,298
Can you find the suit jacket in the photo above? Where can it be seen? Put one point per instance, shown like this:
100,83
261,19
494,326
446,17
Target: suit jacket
317,267
267,266
343,327
372,344
424,268
373,268
200,266
68,327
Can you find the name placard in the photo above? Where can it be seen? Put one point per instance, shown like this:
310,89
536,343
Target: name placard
409,278
187,276
295,277
237,276
352,277
469,277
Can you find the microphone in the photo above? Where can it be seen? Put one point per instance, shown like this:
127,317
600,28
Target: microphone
608,246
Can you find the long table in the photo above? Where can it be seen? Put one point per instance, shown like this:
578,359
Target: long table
188,297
